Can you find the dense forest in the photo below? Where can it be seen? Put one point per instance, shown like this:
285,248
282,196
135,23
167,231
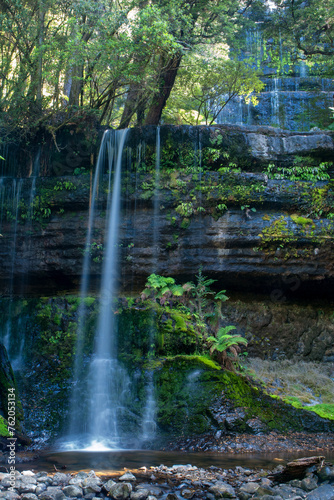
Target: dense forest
137,62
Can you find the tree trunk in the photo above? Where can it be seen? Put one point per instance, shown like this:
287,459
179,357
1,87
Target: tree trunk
130,106
41,19
76,85
167,80
73,86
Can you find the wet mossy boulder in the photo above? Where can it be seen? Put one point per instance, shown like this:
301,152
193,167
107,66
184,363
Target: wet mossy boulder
194,396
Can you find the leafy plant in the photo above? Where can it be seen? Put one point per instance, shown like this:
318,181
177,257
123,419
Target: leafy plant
67,185
185,209
300,171
227,347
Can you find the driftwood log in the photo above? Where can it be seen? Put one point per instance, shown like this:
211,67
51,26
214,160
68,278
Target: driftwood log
296,469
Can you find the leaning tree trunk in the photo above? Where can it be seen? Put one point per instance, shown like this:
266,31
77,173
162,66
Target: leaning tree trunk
167,80
130,106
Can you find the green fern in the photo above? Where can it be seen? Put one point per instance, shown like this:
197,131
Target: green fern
226,347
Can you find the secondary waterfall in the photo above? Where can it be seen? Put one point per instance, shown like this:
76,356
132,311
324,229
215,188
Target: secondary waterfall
149,425
94,421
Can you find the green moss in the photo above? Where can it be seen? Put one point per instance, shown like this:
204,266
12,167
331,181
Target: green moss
323,410
189,386
302,221
88,301
3,427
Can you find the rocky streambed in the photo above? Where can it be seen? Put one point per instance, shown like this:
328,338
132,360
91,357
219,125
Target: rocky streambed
170,483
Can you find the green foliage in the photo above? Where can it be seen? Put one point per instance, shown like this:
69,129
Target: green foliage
187,313
3,427
226,347
185,209
303,29
75,61
67,185
206,84
300,171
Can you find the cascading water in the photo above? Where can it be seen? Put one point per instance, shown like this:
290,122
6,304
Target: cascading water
108,381
94,423
275,103
148,423
77,423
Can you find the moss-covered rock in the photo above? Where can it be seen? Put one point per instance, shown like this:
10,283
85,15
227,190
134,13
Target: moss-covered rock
195,397
8,385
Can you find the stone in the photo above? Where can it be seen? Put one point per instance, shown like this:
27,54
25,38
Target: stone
25,487
9,495
140,494
270,497
128,476
295,483
72,491
264,490
41,474
249,488
6,481
286,491
326,473
151,497
120,491
29,496
82,474
40,488
266,482
324,492
28,473
52,493
91,485
256,426
60,478
44,479
222,490
153,490
109,484
244,496
309,483
171,496
186,493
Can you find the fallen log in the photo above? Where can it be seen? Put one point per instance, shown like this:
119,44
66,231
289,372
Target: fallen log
296,469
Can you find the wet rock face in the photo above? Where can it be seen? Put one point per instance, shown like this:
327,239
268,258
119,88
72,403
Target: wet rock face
266,147
75,151
292,103
235,246
250,145
305,331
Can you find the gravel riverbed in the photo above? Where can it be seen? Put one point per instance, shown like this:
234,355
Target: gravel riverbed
168,483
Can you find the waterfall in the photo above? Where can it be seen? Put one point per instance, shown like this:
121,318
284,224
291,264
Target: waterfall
275,103
107,384
148,422
13,202
95,418
77,423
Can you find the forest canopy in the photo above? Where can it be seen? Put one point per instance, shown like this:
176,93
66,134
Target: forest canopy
127,62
